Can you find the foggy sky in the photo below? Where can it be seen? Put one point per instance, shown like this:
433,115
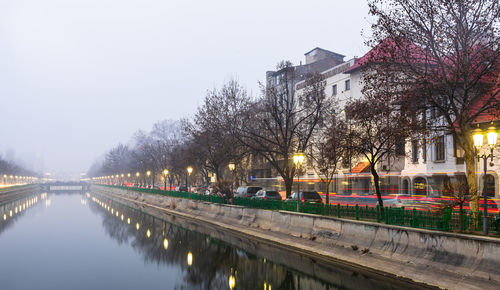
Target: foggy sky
79,76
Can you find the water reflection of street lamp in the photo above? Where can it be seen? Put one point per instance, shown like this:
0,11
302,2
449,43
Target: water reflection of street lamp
478,137
232,281
189,259
165,173
298,159
165,243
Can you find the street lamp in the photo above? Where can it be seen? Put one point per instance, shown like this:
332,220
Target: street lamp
189,171
148,173
298,159
478,137
232,167
165,173
137,174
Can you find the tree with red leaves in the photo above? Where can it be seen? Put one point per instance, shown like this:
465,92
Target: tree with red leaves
444,56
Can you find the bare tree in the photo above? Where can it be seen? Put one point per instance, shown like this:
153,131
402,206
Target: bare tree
327,150
212,131
166,134
281,122
379,127
445,54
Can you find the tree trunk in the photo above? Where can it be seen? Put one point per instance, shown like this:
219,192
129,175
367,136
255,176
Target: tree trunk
377,187
470,174
288,186
327,194
217,175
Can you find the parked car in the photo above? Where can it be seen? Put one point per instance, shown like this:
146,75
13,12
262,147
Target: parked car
267,195
306,196
181,188
247,191
200,190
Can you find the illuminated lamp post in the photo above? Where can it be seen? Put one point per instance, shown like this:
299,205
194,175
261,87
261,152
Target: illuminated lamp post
137,174
478,137
232,167
148,173
298,159
189,170
165,173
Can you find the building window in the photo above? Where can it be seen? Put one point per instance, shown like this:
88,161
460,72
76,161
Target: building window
439,149
414,151
406,187
424,150
334,89
420,186
490,185
459,152
400,147
347,85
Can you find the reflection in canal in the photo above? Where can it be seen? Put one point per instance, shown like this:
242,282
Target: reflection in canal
205,262
87,241
11,211
209,263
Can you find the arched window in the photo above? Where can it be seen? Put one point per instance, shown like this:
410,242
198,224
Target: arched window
490,185
406,186
420,186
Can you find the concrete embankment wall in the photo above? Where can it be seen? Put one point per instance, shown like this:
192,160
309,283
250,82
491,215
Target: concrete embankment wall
414,252
10,194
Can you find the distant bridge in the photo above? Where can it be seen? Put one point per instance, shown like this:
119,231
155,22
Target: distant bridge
65,186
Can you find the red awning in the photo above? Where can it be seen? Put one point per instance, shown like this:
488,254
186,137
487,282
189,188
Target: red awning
361,167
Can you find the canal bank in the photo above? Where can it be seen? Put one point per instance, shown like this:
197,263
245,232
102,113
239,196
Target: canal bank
436,258
16,192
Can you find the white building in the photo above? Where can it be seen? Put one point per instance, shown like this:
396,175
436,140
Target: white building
426,166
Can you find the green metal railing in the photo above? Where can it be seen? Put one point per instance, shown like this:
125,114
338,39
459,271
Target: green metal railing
176,194
446,219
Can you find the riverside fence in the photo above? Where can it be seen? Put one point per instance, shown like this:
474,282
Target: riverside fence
445,219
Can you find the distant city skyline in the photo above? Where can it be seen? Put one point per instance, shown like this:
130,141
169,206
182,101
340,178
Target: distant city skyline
81,76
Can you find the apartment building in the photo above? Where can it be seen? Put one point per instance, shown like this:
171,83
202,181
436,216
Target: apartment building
424,166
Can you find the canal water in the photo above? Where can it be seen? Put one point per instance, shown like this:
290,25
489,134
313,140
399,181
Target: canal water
86,241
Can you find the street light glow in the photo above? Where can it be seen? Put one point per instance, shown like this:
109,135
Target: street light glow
478,138
492,136
189,259
298,158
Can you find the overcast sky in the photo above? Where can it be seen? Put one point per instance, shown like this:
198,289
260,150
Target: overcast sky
79,76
